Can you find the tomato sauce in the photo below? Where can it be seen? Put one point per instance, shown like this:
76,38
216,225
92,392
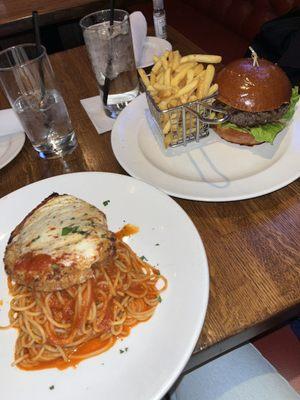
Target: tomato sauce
34,263
127,230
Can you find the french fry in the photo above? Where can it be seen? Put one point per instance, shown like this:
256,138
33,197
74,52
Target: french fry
152,78
213,89
180,75
181,67
158,86
168,140
167,77
167,127
190,75
193,98
144,77
198,69
157,66
176,60
187,88
201,58
165,93
164,62
176,80
183,99
209,76
173,103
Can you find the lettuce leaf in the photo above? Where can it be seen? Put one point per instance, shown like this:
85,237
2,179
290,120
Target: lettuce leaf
268,132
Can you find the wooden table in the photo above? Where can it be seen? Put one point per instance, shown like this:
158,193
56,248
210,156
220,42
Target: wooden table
15,15
252,245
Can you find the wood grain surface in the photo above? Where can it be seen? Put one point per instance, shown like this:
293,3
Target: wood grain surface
15,15
252,245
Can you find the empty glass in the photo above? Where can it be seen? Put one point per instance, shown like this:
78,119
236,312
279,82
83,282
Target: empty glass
29,83
111,53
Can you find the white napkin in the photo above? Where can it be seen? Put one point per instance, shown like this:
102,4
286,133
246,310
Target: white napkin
94,109
139,32
9,124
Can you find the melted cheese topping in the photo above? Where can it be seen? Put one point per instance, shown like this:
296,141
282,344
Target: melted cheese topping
66,229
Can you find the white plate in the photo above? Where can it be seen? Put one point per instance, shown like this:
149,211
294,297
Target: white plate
211,170
12,137
153,46
158,349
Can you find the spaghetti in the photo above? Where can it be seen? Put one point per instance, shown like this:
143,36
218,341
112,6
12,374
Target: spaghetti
61,328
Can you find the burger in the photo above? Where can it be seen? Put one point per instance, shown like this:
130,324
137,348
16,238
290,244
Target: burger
259,99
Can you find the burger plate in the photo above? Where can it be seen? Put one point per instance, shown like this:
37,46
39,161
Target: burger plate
211,170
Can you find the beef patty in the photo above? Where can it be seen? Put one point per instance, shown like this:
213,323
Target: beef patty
244,119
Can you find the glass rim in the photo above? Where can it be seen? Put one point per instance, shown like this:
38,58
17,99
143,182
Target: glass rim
23,45
101,12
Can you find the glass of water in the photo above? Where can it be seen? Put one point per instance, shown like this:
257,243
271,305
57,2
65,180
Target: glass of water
111,54
28,80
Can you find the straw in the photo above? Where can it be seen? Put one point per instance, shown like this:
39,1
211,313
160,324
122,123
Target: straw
37,37
109,62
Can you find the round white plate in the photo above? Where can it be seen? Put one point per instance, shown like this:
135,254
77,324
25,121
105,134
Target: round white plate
10,146
211,170
153,46
157,349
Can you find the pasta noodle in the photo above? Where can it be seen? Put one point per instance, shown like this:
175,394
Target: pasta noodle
62,327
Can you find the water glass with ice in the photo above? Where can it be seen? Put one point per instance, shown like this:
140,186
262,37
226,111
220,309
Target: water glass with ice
28,80
111,54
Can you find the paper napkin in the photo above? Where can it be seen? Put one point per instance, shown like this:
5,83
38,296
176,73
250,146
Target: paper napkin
94,109
139,31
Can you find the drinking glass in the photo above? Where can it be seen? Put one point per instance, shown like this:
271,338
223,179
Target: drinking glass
28,80
111,54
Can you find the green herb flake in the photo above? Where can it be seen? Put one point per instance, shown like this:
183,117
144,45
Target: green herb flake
143,258
103,235
69,229
51,387
54,267
123,350
35,239
72,218
159,299
106,203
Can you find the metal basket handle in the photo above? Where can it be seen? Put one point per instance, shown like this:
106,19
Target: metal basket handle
210,121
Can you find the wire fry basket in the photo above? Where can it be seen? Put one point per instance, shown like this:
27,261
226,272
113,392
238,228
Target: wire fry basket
186,123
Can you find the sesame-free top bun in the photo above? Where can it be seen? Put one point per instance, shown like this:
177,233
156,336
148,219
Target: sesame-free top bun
253,88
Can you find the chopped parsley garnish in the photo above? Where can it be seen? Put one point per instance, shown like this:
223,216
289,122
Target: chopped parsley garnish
106,203
143,258
54,267
35,239
71,229
51,387
159,299
72,218
123,351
